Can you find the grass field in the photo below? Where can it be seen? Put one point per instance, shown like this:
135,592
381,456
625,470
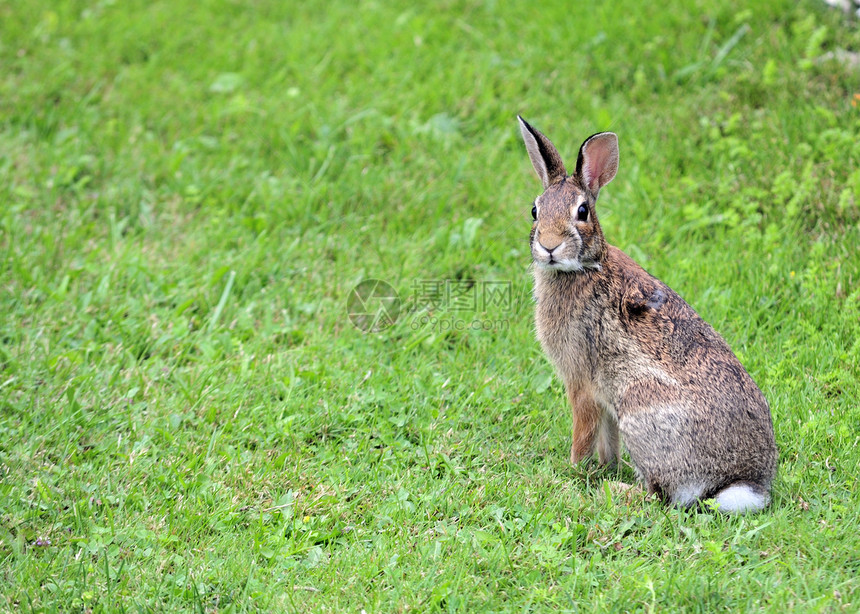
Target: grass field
189,191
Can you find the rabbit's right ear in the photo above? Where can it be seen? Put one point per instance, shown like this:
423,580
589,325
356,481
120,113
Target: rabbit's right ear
598,161
543,154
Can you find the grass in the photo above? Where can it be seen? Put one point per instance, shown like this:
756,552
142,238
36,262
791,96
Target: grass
190,191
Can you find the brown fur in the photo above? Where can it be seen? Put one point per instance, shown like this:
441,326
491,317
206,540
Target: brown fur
635,357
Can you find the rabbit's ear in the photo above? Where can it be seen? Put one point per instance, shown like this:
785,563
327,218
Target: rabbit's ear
543,154
598,161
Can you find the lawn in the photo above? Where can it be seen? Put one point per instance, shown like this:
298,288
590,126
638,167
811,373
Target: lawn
190,192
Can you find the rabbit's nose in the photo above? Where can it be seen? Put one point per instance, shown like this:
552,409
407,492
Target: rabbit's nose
549,240
549,249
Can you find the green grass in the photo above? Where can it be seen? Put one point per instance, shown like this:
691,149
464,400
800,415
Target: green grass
190,190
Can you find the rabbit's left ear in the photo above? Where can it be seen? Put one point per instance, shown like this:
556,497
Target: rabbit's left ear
598,161
543,154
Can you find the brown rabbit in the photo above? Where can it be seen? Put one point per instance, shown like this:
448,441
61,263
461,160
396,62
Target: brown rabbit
634,356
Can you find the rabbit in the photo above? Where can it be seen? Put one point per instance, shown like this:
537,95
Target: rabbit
636,359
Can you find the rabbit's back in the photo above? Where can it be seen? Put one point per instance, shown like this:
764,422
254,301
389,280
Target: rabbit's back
693,421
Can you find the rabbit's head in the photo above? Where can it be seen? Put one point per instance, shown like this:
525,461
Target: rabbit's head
566,235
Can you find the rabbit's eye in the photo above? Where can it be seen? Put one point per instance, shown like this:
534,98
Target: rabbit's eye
582,213
534,212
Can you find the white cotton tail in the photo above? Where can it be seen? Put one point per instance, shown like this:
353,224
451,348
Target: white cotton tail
741,498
